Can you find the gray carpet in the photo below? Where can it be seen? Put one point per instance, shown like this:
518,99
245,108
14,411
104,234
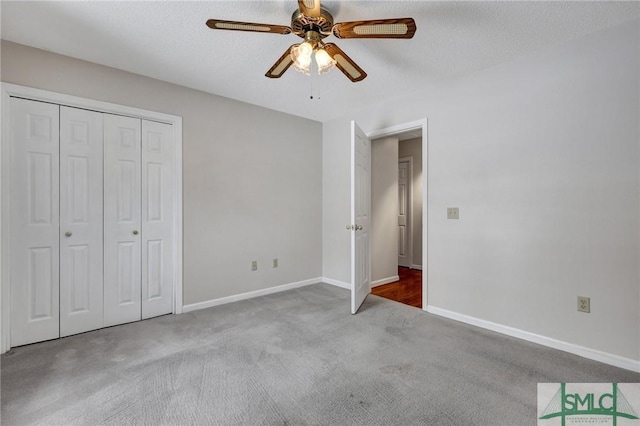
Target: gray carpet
293,358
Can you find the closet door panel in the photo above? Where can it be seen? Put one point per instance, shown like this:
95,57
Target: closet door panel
34,221
81,205
157,219
122,219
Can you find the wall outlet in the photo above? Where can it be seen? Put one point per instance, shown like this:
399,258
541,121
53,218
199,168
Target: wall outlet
254,265
584,304
453,213
275,263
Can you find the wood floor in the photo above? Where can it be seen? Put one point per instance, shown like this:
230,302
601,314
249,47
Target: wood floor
408,290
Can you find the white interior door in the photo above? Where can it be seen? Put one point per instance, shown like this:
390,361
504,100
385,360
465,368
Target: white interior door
122,220
34,221
405,239
157,219
81,162
360,216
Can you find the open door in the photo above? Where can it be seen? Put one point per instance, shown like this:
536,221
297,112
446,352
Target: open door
360,216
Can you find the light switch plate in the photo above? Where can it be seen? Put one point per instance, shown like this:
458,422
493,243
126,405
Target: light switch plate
453,213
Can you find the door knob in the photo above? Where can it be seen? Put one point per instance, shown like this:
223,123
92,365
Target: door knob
135,232
67,234
358,227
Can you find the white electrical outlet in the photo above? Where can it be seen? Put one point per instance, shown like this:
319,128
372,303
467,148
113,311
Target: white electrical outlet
254,265
584,304
453,213
275,263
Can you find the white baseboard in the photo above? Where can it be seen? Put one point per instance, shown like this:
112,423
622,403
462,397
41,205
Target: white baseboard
248,295
593,354
384,281
337,283
418,267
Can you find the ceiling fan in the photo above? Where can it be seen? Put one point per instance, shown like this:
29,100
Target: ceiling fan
313,23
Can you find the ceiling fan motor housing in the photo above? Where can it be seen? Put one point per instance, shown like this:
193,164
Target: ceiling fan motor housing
322,24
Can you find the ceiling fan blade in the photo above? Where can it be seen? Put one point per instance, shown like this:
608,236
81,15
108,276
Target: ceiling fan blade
378,28
310,8
217,24
281,65
345,64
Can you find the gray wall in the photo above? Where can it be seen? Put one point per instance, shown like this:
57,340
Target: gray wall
252,184
384,209
413,148
542,155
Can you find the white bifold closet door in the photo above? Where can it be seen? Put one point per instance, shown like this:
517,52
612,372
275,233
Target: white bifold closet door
34,257
91,220
157,219
122,220
138,219
81,206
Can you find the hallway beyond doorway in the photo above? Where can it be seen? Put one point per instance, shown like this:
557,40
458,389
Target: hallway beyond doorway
408,290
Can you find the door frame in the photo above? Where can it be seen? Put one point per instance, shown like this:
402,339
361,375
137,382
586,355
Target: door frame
409,161
395,130
9,90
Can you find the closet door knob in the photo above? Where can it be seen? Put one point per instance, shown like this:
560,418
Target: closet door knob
135,232
67,234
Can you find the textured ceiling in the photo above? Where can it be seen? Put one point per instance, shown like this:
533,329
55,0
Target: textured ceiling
169,41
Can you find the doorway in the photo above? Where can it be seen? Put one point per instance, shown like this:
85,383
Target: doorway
398,198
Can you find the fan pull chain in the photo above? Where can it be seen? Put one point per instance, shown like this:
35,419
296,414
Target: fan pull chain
314,84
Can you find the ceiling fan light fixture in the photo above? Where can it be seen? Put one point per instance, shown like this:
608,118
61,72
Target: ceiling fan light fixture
301,57
324,61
